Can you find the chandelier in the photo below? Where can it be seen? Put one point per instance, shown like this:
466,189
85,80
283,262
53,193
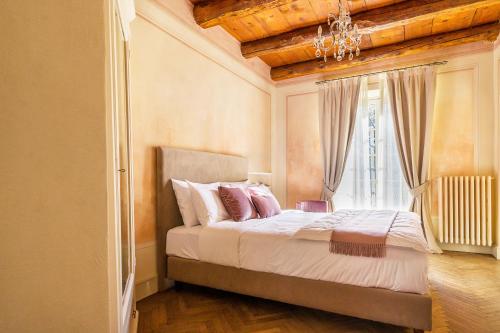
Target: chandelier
343,36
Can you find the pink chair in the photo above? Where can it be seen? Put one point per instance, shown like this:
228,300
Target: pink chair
317,206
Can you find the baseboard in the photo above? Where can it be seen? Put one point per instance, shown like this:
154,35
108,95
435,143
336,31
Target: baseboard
496,252
146,282
146,288
149,287
470,249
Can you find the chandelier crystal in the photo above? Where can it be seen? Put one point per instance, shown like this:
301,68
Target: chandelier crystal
343,36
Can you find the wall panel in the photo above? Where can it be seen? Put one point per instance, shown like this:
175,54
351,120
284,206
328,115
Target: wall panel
303,162
454,125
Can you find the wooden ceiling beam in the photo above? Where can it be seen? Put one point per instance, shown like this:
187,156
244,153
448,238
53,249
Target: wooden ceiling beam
378,19
486,32
210,13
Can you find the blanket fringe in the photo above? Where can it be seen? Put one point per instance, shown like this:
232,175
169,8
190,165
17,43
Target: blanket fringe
358,249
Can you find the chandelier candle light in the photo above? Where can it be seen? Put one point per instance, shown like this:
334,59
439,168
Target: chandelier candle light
343,36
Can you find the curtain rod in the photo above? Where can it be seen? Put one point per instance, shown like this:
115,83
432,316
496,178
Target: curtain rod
436,63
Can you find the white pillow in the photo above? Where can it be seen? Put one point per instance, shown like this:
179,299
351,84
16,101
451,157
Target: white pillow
261,189
185,202
207,203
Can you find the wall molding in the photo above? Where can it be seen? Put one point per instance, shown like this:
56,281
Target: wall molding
496,252
146,281
285,140
279,130
217,34
145,245
474,67
146,288
161,17
146,262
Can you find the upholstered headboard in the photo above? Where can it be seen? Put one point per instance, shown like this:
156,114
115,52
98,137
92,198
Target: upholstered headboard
196,166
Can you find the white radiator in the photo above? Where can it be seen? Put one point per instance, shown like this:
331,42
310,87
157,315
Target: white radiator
465,210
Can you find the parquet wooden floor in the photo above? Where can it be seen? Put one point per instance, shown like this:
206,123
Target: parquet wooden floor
465,291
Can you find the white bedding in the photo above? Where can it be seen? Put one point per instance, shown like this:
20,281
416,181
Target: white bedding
406,230
268,245
183,242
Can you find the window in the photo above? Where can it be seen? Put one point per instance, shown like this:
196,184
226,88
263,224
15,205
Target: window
373,177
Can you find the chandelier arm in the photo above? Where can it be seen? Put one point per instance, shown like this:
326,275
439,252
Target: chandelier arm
343,36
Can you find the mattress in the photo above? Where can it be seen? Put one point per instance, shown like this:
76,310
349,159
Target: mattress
183,242
268,245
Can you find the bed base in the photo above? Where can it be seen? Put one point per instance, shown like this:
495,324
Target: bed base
382,305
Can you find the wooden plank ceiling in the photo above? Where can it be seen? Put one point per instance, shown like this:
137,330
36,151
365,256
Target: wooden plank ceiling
280,32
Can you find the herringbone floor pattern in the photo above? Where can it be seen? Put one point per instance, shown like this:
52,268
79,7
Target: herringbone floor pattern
465,291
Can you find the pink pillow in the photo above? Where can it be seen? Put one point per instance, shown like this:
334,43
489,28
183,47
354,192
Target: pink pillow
266,204
238,203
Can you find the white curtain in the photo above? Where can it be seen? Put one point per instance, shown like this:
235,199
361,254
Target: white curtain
373,176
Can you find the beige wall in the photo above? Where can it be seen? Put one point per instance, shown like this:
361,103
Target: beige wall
181,98
217,36
463,133
53,176
303,150
189,94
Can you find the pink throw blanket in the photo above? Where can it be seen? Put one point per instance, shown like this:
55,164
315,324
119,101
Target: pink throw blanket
364,235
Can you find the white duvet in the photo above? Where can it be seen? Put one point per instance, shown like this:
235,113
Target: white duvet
406,230
275,245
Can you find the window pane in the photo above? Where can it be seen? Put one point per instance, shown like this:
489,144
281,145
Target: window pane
374,93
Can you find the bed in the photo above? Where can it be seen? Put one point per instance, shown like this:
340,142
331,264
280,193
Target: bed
251,260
